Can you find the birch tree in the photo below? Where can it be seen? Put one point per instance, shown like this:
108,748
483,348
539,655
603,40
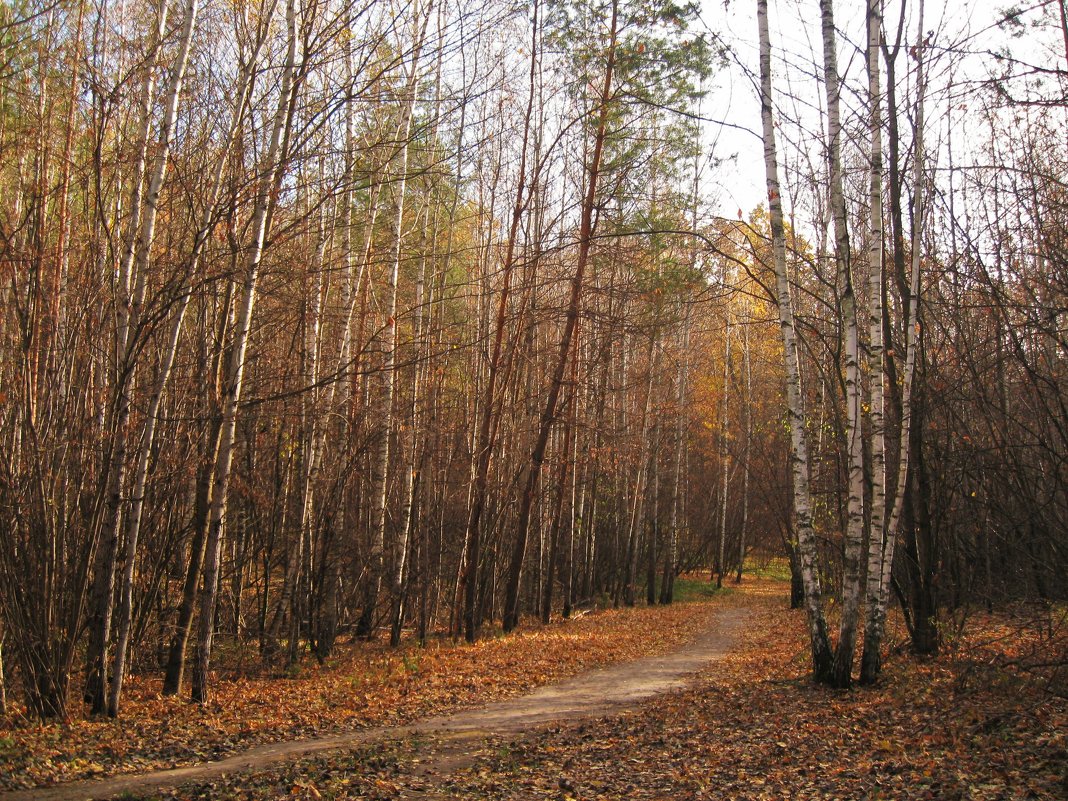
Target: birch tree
130,291
819,642
881,558
175,668
266,196
385,408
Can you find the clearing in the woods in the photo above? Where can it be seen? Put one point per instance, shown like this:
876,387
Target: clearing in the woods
708,699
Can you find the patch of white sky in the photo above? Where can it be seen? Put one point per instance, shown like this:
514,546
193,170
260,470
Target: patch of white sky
963,40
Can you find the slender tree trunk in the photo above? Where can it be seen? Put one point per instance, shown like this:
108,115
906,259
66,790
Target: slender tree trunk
142,261
235,368
487,431
654,519
548,416
310,443
852,571
799,460
339,400
175,670
636,519
412,467
747,406
724,455
572,511
385,412
566,466
879,596
877,531
128,303
667,580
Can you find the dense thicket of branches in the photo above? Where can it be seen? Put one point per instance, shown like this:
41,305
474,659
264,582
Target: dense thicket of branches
320,318
931,201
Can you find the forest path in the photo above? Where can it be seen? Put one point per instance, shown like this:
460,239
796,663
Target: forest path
449,741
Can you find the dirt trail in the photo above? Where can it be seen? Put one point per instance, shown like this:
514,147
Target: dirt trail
591,694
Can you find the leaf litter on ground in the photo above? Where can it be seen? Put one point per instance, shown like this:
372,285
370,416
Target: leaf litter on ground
365,685
755,727
977,723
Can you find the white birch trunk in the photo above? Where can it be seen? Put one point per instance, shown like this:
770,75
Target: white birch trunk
142,261
385,412
127,304
410,445
799,459
876,536
176,661
235,367
871,662
854,535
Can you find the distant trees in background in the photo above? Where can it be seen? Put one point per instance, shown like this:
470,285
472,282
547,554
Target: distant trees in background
321,319
281,279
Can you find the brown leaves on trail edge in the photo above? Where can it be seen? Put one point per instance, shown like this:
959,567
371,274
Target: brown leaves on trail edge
369,773
366,685
756,728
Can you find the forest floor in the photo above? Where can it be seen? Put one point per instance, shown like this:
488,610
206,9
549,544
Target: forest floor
364,687
987,720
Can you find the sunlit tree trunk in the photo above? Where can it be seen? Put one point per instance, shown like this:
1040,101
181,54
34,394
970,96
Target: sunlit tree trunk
130,287
266,197
177,652
384,412
548,415
142,261
799,459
